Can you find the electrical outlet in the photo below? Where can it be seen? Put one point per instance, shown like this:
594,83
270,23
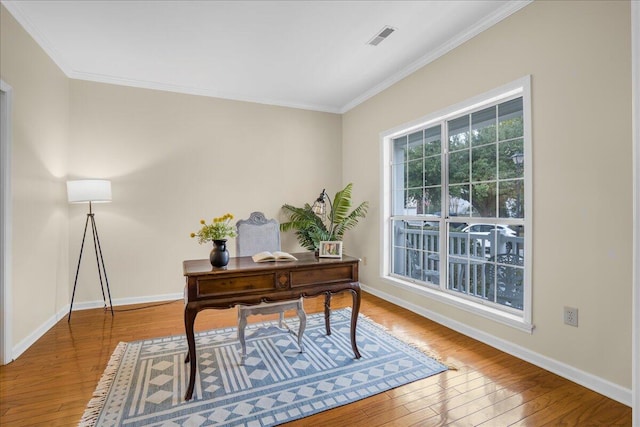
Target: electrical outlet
571,316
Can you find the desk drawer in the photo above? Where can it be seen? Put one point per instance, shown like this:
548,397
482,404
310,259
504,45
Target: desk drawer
339,273
236,285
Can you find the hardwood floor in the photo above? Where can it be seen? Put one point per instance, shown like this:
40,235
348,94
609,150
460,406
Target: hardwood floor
51,383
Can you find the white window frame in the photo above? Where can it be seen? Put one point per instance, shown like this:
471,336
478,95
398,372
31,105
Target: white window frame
521,320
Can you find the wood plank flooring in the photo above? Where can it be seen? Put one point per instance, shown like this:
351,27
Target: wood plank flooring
50,384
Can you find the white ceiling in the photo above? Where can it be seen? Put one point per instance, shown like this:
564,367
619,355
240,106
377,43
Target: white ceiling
304,54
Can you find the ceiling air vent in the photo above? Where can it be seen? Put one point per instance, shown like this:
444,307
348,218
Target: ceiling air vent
382,34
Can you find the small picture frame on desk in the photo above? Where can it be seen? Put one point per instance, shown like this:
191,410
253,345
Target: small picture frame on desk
330,249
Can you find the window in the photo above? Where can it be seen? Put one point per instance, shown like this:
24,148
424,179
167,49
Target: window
456,221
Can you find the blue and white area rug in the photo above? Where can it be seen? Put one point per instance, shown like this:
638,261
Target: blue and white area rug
145,381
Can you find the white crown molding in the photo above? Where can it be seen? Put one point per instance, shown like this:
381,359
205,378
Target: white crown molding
507,10
190,90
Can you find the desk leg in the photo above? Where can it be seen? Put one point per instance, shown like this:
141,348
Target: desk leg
327,312
354,320
189,320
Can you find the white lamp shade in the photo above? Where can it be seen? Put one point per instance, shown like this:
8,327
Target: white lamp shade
89,190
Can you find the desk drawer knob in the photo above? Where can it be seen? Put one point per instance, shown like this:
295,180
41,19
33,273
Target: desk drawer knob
283,280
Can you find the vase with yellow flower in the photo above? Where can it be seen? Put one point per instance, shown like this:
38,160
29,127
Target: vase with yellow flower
217,232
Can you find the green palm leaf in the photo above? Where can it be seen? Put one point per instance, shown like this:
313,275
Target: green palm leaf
310,229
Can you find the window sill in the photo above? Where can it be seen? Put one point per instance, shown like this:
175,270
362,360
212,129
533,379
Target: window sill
479,309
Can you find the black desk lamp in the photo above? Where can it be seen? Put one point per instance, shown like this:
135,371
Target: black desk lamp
320,207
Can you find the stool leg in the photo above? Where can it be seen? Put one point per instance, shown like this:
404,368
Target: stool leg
281,323
303,324
242,323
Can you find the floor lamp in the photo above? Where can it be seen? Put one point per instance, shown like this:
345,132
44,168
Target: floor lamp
91,191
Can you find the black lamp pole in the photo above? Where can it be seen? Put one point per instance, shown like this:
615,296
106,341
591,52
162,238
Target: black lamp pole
99,261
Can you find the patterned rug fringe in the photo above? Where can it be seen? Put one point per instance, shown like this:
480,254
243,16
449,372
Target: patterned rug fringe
91,413
426,351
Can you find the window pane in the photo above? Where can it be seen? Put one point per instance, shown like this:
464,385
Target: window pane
510,119
432,200
459,204
400,150
514,240
483,197
511,199
414,175
399,256
432,171
459,167
416,250
457,261
511,159
483,166
466,260
399,180
433,142
458,133
505,280
483,126
414,196
415,146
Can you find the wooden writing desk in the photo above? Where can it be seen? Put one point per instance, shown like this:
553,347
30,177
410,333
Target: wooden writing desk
243,281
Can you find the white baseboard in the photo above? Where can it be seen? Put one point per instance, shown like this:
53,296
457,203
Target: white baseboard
125,301
27,342
592,382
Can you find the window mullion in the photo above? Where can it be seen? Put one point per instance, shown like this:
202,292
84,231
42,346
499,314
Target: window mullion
444,240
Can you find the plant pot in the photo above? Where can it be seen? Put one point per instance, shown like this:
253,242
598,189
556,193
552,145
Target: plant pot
219,255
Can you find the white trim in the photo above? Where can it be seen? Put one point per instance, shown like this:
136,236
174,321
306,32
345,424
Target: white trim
87,305
520,87
465,304
27,342
585,379
516,87
635,125
6,103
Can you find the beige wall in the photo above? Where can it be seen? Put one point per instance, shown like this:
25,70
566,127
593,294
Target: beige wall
40,128
174,159
578,54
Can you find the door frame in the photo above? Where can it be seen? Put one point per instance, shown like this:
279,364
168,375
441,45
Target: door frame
6,308
635,124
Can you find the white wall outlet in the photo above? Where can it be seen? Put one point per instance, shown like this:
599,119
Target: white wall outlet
571,316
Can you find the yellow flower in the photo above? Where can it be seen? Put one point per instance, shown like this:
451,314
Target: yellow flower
220,228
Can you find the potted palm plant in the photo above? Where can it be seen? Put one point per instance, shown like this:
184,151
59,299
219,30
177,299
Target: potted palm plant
313,224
